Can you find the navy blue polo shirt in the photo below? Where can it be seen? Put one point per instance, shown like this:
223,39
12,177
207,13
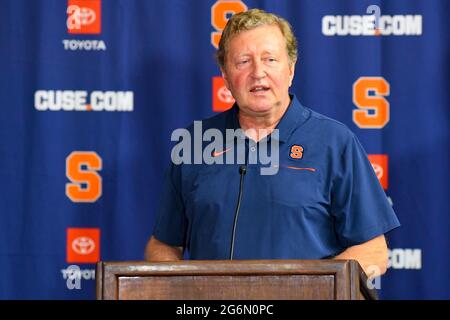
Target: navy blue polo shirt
324,198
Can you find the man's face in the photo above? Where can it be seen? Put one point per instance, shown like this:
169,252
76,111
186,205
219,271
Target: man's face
257,70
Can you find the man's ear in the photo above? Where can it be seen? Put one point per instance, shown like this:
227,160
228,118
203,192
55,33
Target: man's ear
291,72
225,78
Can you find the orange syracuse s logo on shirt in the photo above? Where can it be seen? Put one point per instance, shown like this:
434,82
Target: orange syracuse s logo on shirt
296,152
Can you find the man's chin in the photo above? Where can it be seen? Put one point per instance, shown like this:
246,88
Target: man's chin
259,109
262,107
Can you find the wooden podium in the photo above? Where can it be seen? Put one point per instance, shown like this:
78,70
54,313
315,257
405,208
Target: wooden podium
233,280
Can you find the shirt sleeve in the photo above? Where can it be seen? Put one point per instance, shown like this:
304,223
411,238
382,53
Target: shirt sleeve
359,204
170,226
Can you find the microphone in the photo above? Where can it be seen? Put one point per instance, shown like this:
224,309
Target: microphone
242,172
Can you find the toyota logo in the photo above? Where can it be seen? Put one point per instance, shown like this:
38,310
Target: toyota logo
79,16
224,95
378,170
87,16
83,245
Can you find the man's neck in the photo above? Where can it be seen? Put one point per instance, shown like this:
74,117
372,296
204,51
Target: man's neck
260,125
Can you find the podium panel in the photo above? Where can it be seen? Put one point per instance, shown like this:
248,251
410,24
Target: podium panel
233,280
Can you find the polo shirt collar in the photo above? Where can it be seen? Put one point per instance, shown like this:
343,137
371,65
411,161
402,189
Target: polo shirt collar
295,115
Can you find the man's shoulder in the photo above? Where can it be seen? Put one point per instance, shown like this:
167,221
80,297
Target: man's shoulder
329,126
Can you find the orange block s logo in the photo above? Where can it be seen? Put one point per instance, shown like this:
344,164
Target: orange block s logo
296,152
219,19
86,183
379,106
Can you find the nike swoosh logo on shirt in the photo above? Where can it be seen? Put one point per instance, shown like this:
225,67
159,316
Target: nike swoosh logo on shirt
218,153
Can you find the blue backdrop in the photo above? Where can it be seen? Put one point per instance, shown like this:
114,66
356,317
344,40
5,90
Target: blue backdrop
90,91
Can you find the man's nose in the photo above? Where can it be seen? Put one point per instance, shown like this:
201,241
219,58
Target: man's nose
258,71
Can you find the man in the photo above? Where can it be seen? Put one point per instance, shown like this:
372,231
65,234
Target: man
325,200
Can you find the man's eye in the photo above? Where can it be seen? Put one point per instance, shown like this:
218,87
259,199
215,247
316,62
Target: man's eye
243,62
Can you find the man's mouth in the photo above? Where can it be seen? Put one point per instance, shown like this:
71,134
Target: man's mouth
259,89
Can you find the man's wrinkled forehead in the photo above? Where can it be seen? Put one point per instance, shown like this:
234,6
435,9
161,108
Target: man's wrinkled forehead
275,43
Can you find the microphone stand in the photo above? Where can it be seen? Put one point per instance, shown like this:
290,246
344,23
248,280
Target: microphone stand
242,172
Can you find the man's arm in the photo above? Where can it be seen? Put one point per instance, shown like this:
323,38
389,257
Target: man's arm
371,255
159,251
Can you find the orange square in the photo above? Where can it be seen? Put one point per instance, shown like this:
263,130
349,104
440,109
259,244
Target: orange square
83,245
84,16
222,98
380,166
